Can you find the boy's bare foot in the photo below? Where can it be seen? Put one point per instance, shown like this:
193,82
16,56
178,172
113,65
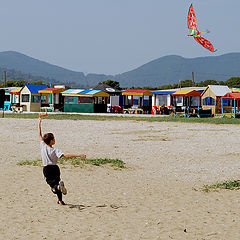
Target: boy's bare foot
83,156
61,202
62,188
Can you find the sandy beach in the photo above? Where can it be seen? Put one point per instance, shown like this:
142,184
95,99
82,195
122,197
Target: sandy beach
157,196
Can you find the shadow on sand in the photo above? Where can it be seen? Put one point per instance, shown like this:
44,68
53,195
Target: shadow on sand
82,207
77,206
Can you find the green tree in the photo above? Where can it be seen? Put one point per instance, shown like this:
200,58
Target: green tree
21,83
186,83
113,84
207,82
233,82
222,83
37,82
149,88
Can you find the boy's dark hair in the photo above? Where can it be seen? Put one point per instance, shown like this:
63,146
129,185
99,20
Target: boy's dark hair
48,137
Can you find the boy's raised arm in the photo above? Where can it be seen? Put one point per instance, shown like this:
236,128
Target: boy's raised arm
39,124
40,127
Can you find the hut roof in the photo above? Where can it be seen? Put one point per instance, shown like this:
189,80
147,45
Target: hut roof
8,89
72,91
85,93
218,90
51,90
35,88
163,92
137,92
187,93
231,96
16,91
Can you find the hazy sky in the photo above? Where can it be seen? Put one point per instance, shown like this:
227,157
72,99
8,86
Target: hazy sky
114,36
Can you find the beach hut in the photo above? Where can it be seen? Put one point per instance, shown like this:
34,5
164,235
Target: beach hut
16,103
137,101
115,100
52,99
16,95
162,101
85,100
230,104
211,97
30,97
9,98
162,97
186,100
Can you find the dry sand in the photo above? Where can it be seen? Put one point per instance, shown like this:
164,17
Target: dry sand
157,196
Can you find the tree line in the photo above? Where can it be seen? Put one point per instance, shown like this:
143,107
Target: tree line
20,83
231,82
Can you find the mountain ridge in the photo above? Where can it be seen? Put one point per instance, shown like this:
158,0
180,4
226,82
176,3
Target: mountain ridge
162,71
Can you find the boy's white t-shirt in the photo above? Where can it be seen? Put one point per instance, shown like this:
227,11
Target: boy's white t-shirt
49,155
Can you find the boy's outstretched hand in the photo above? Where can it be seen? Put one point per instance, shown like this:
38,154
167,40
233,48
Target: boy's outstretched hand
83,156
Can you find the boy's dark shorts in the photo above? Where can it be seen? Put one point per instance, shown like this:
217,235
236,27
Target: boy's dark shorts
52,175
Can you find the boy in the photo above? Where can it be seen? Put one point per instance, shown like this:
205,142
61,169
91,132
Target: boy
50,155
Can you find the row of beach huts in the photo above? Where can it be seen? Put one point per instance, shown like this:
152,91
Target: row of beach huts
191,101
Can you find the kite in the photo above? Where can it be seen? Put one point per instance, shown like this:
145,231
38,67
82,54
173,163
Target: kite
192,25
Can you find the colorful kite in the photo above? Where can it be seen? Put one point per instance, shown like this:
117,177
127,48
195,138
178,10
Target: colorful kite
192,25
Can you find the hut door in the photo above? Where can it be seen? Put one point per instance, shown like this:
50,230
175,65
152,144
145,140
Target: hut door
140,102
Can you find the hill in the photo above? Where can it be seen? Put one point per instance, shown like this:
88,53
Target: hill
162,71
19,76
27,65
171,69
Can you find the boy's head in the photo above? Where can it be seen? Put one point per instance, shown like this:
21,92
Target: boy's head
49,139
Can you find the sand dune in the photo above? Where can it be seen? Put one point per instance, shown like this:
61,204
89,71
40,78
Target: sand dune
157,195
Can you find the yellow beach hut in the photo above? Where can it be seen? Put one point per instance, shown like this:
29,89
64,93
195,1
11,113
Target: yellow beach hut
137,100
211,98
52,99
30,98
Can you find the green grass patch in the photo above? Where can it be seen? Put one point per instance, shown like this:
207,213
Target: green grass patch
116,163
231,185
126,117
32,163
96,162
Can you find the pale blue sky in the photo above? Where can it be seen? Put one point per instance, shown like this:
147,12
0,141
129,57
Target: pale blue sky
114,36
